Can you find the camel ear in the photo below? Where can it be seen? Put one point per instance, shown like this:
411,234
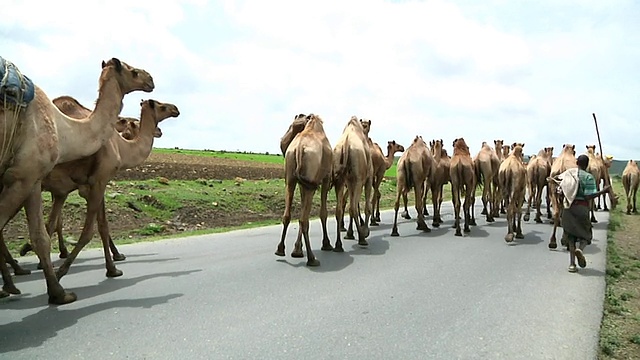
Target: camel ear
117,64
103,64
573,147
152,103
513,146
441,142
522,144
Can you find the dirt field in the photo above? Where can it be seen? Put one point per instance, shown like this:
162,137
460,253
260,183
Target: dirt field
187,167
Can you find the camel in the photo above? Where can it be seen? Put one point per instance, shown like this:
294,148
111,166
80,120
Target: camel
499,208
538,170
486,166
630,182
463,181
381,164
566,160
441,176
307,161
604,170
512,177
595,169
414,167
298,124
40,137
92,174
64,178
353,168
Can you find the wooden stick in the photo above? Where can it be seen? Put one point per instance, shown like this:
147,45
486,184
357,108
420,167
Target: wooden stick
607,180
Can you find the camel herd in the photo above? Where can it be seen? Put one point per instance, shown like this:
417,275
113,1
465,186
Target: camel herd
60,146
356,166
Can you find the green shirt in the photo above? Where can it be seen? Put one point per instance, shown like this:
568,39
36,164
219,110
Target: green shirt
587,185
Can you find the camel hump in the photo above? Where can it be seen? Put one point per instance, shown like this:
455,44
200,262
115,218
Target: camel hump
15,87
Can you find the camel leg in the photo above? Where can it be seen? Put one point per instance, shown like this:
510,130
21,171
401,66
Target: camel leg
405,213
355,192
305,210
418,191
396,207
55,223
548,200
527,215
17,269
456,206
593,215
538,204
94,201
518,220
368,187
324,194
103,230
42,245
290,188
340,206
635,210
466,209
344,204
510,205
349,234
8,287
375,205
435,195
425,212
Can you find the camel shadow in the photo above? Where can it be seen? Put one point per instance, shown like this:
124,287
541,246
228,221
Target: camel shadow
35,329
329,261
591,272
532,237
24,301
377,246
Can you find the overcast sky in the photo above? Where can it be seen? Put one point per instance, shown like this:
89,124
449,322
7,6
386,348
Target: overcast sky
531,72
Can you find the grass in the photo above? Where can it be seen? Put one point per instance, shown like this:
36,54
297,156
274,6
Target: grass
620,328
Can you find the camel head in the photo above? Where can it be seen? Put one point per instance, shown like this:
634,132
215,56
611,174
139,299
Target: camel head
160,110
129,78
498,143
591,149
569,149
517,149
393,147
505,150
459,145
366,126
298,124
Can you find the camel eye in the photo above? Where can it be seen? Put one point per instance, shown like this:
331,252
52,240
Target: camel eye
163,108
135,73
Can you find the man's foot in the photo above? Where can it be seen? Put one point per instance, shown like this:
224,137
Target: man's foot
581,260
573,268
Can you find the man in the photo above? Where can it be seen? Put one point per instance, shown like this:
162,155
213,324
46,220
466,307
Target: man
576,223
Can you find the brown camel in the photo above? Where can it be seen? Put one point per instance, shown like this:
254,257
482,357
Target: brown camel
486,166
91,176
566,160
68,177
499,207
630,182
298,124
353,168
594,168
414,167
512,177
463,181
40,137
381,164
538,170
307,161
604,170
441,176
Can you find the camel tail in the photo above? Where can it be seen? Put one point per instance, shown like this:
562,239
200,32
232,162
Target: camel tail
408,175
303,180
505,180
478,173
626,183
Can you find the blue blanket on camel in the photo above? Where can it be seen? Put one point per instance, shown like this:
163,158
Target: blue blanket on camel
15,88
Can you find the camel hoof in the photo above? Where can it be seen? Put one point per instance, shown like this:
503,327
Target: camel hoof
549,216
490,220
483,212
297,254
339,249
63,255
553,245
395,233
472,222
605,209
119,257
377,218
425,212
467,230
363,242
326,247
502,212
64,298
458,232
435,224
508,238
628,212
21,271
114,273
25,249
3,294
526,217
280,251
406,215
313,262
593,220
519,236
11,289
39,267
349,237
373,223
342,228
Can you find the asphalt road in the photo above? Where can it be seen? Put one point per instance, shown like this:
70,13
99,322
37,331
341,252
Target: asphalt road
227,296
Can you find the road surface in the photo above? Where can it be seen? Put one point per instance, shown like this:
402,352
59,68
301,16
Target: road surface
227,296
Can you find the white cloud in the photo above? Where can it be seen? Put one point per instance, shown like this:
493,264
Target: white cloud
240,70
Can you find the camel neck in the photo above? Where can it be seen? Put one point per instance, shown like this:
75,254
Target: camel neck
83,137
135,152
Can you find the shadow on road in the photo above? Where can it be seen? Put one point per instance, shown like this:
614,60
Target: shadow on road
23,302
34,330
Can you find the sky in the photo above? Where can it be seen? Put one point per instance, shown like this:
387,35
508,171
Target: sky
239,71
